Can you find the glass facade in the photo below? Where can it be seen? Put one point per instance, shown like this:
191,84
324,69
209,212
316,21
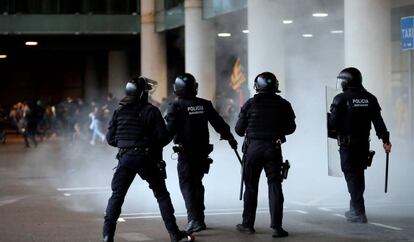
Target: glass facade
169,14
69,17
213,8
402,75
69,6
69,24
314,48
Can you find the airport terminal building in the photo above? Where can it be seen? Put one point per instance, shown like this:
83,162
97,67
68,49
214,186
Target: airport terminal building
52,49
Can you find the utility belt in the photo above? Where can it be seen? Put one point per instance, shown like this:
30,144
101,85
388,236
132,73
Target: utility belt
123,151
271,138
346,140
179,148
205,164
277,143
161,165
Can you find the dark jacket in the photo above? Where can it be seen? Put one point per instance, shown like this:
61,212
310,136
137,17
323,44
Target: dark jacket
137,123
352,112
188,118
266,116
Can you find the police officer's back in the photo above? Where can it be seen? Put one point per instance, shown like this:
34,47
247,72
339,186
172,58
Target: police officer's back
349,121
138,129
264,120
187,119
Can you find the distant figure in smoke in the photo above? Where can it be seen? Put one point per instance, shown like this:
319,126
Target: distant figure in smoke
97,117
187,119
138,130
15,115
349,121
70,116
111,103
32,118
265,120
3,119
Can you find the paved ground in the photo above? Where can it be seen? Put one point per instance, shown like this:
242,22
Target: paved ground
58,192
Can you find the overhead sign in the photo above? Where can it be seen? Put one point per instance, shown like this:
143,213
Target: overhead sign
407,33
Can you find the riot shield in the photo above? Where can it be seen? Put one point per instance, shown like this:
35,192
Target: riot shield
334,163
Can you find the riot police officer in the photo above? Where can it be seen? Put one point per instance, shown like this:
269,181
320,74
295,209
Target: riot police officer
187,120
264,120
349,121
138,130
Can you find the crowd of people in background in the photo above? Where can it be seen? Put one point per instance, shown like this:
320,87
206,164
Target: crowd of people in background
72,119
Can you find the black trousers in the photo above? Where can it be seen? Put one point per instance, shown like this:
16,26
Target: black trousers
355,181
353,164
129,165
263,155
190,174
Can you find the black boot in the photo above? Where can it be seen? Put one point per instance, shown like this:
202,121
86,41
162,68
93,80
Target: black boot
108,238
357,218
279,232
178,236
195,226
349,214
245,229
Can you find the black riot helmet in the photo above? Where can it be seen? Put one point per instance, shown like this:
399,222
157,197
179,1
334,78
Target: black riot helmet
185,85
140,86
266,82
350,78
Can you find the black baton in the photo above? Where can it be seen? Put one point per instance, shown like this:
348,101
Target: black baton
386,170
242,173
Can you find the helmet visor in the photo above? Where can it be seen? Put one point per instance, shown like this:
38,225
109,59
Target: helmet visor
339,82
151,85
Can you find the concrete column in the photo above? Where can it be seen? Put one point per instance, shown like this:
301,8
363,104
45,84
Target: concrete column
153,50
91,84
265,40
118,72
200,52
368,43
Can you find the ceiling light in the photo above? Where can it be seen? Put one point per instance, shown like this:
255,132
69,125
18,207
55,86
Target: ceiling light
337,32
3,56
287,21
320,15
223,34
31,43
307,35
246,31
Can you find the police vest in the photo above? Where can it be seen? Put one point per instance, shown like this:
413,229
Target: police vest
266,118
358,114
131,125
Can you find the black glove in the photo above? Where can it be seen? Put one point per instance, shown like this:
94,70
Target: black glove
386,138
233,143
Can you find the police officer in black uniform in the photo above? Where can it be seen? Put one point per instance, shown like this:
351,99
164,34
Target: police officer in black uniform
187,119
138,130
265,120
349,121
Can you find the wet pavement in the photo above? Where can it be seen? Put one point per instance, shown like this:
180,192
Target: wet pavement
58,192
